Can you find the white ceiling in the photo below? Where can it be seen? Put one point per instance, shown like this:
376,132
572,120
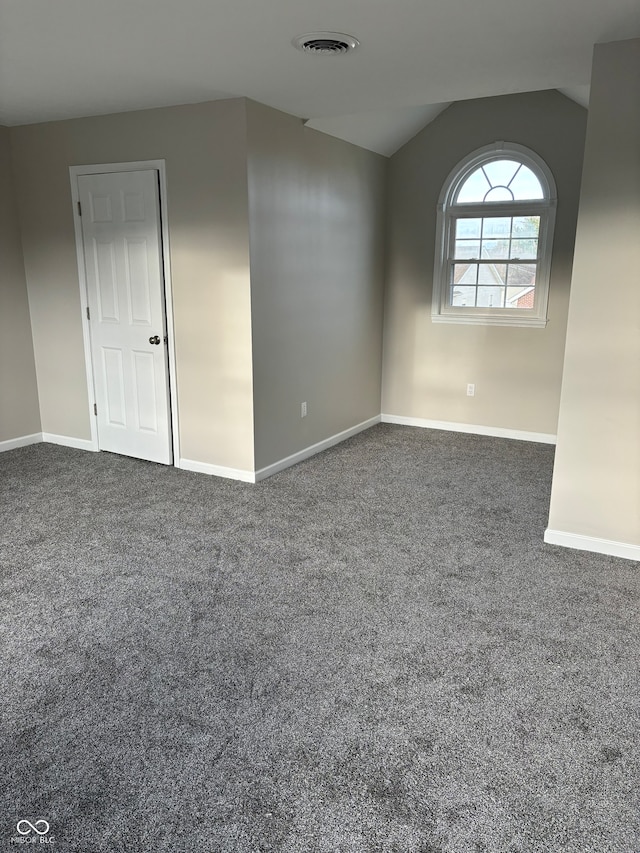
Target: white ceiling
67,58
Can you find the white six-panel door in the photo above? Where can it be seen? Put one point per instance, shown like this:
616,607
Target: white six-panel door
125,290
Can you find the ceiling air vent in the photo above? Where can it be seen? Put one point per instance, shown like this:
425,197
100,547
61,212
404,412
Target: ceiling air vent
326,44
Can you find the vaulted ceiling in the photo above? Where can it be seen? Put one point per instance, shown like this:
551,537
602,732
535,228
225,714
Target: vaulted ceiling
68,58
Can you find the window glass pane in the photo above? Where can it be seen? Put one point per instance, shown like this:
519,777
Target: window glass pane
467,249
499,194
526,226
468,228
524,248
465,273
526,185
520,297
492,274
498,249
500,172
522,274
474,188
462,296
490,297
496,226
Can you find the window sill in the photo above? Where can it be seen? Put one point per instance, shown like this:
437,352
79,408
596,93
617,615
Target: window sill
488,320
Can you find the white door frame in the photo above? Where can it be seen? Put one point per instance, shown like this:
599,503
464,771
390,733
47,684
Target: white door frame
137,166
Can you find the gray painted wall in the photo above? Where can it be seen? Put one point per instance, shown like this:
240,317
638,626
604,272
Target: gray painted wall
317,238
596,483
19,411
517,371
276,238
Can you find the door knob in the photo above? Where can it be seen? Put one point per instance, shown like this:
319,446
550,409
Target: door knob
154,339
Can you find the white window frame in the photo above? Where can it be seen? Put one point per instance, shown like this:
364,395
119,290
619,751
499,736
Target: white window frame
448,212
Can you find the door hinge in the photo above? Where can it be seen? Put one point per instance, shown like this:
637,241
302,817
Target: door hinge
79,209
95,408
88,313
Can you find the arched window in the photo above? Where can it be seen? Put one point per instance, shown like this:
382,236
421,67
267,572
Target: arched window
494,235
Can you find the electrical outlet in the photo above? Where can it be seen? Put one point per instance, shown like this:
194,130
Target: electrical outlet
471,390
303,410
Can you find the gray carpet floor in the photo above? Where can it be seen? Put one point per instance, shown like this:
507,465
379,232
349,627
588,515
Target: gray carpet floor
371,651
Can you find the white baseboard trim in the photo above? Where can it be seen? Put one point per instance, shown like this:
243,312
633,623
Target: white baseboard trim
474,429
263,473
217,470
592,543
69,441
301,455
22,441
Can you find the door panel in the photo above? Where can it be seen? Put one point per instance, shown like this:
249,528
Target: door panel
138,284
125,289
144,400
105,273
113,380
